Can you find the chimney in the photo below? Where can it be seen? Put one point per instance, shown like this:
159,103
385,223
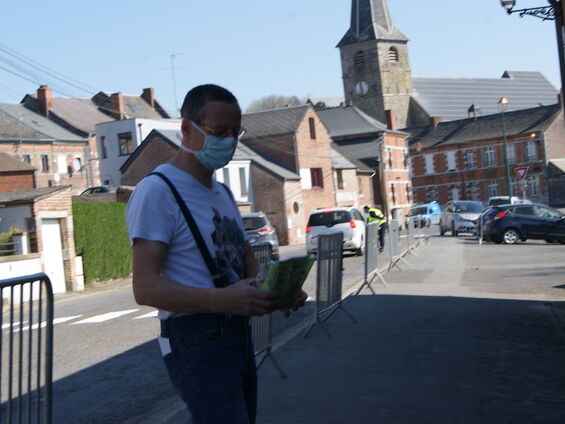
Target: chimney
434,121
44,100
117,106
390,119
149,96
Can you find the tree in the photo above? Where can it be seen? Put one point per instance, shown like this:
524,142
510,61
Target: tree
273,102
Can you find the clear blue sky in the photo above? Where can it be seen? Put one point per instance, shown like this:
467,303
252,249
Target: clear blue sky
256,47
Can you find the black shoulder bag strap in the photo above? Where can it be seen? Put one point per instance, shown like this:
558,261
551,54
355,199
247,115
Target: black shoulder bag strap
219,280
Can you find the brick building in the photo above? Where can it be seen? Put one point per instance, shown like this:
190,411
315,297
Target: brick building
15,174
378,148
463,159
58,155
81,115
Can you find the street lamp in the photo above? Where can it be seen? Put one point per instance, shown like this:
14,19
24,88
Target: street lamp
553,12
502,102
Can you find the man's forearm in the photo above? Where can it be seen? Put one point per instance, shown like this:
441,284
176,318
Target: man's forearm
163,293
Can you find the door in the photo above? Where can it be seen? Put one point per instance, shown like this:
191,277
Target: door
53,254
554,223
529,222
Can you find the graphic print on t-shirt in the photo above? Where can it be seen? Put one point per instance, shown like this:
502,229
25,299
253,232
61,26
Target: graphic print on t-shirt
228,240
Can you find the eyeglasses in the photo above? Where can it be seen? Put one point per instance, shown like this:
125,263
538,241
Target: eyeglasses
236,132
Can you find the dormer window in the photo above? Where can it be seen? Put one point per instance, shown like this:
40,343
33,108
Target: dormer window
359,58
393,55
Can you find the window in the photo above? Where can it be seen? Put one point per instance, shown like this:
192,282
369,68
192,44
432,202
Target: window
489,156
530,153
339,174
406,160
393,193
431,194
26,159
511,153
77,164
470,159
429,163
243,181
103,154
389,158
359,58
473,191
312,128
451,162
408,193
126,143
134,108
393,55
492,188
61,164
533,186
44,163
316,177
226,173
453,192
546,212
524,211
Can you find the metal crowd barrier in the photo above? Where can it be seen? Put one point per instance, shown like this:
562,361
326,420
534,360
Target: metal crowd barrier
262,327
371,258
410,239
26,350
328,280
394,244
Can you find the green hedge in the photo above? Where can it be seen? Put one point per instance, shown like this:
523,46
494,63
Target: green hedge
101,238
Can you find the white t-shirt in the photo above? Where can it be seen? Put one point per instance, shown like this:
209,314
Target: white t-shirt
153,214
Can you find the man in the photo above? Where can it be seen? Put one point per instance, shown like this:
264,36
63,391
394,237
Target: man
375,215
191,260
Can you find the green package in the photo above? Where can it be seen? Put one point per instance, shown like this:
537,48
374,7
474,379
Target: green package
285,278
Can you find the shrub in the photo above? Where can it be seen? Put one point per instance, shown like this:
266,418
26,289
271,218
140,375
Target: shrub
101,238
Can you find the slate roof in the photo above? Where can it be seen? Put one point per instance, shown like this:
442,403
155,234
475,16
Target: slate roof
364,149
349,121
485,127
274,122
334,101
9,163
450,98
370,20
340,160
28,196
18,122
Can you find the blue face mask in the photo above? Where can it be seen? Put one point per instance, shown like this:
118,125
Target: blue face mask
216,152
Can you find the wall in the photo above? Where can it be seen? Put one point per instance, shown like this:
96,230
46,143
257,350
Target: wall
554,139
396,182
110,165
21,180
154,154
59,206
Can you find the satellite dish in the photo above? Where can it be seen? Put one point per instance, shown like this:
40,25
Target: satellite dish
57,177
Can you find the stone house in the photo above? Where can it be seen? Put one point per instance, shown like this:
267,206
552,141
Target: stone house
464,159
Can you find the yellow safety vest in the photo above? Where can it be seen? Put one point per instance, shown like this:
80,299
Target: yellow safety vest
379,217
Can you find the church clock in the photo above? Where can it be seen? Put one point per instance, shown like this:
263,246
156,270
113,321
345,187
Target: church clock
361,88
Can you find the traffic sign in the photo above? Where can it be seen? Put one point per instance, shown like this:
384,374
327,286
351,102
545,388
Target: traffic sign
521,171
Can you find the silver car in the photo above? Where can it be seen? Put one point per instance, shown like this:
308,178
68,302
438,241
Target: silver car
458,216
259,230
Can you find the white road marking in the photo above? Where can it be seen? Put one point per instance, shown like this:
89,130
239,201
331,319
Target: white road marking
104,317
44,323
14,324
149,315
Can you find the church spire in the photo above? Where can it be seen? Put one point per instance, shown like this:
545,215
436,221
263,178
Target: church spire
370,20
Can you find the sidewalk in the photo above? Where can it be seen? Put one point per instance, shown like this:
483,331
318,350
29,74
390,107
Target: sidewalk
424,350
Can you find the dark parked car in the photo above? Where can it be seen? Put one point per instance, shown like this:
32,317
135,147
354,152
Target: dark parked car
513,223
100,189
260,230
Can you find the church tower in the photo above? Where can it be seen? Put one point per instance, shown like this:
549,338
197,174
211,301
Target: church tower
374,62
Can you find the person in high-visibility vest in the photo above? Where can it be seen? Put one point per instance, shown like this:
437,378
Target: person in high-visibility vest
376,215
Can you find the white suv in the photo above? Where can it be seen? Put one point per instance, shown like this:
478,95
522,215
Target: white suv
346,220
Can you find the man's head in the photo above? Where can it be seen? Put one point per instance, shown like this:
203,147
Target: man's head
366,208
210,113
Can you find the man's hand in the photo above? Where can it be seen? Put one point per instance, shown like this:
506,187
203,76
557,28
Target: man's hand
245,298
298,303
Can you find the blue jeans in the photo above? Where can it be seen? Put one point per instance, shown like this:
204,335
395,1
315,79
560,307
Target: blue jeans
212,366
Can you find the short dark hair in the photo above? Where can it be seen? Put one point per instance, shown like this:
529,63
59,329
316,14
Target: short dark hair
195,100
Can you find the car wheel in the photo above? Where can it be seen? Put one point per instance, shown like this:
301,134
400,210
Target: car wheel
453,232
551,241
562,241
510,236
497,241
441,230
